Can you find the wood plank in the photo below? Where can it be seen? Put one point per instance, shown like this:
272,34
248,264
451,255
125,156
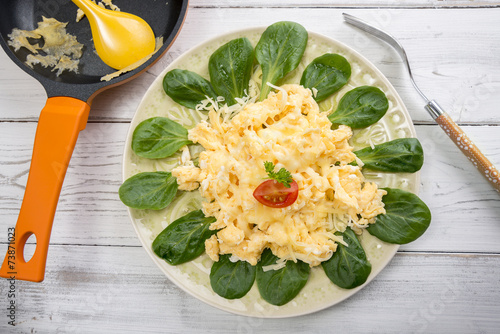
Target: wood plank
465,208
89,209
346,3
100,280
119,289
454,54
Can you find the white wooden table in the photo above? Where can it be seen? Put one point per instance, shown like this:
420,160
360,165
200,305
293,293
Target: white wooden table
100,280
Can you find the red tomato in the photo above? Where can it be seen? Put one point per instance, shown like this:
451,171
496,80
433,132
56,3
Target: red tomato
275,195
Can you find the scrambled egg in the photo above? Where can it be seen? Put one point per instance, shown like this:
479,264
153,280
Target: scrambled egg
289,130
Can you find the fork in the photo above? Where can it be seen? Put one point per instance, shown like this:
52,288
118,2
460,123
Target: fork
457,135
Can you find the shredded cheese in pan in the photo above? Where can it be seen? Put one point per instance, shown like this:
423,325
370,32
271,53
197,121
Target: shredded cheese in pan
158,45
51,46
289,130
104,4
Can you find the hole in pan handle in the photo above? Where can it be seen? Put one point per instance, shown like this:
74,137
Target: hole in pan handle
60,122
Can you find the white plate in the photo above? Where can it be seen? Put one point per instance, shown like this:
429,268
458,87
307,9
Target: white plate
193,277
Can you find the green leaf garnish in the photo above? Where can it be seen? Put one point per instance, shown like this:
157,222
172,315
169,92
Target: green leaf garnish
282,176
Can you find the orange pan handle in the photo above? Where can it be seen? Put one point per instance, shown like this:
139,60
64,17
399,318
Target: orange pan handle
60,122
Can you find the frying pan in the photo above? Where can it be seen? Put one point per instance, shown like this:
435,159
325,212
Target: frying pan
66,112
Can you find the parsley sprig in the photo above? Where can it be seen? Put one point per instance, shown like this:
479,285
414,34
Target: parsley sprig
282,176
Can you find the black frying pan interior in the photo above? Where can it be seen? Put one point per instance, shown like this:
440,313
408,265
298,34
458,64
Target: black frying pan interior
164,17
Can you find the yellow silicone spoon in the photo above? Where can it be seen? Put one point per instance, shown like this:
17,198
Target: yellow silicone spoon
120,39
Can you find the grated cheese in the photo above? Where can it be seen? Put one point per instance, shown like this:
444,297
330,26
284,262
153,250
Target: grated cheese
158,45
61,51
103,3
288,129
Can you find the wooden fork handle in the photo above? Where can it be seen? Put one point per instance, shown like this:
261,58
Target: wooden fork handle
466,145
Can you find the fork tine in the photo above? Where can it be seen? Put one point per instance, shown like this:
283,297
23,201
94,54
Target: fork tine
391,40
365,26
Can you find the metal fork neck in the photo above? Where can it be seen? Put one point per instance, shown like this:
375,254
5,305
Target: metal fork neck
434,109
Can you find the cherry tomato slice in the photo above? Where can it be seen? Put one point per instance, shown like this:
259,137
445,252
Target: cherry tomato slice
275,195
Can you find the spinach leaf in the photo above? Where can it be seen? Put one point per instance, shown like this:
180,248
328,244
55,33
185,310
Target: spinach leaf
149,190
184,239
230,68
327,73
404,155
187,88
278,287
279,51
348,267
406,218
360,107
158,137
231,280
